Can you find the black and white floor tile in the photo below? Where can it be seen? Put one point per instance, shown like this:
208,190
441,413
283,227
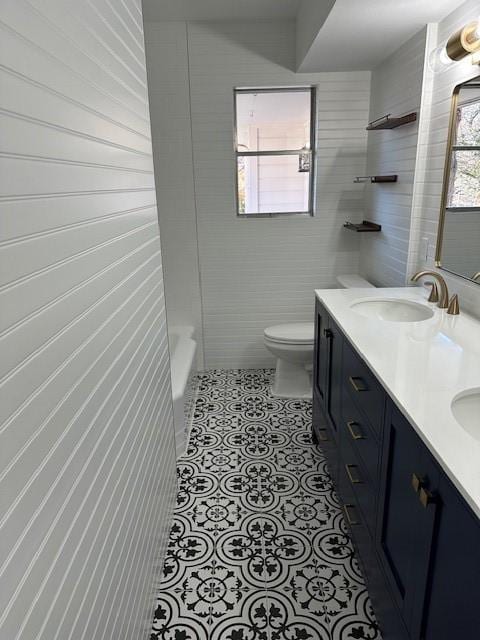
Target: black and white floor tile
258,548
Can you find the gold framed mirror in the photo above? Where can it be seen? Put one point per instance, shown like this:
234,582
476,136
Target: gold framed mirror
458,240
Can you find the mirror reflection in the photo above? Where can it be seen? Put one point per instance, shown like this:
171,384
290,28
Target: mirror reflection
458,248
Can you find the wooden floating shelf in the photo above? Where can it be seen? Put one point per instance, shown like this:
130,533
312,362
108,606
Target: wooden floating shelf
363,227
361,179
387,122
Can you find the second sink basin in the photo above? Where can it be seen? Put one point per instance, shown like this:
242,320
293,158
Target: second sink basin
466,410
393,310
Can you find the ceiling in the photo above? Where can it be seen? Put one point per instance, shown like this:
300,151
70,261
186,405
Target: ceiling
359,34
220,9
335,35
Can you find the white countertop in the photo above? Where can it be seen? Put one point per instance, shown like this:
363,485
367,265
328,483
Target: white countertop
422,366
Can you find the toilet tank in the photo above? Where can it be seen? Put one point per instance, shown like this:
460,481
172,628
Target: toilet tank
354,281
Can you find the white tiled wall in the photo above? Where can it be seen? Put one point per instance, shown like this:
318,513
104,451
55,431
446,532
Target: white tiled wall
258,272
437,94
169,95
261,272
396,90
86,437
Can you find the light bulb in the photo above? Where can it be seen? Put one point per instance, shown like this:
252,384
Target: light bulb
439,60
443,56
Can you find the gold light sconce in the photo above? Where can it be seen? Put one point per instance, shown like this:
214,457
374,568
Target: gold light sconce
464,42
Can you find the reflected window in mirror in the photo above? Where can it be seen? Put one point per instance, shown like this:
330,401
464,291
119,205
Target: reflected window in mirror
458,244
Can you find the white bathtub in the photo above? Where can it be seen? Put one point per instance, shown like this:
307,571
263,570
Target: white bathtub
183,368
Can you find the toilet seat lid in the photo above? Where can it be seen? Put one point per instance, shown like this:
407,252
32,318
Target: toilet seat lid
294,332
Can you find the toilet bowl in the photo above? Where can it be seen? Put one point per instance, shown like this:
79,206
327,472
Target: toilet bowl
292,345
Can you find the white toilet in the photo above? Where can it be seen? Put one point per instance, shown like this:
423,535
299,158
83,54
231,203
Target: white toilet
292,345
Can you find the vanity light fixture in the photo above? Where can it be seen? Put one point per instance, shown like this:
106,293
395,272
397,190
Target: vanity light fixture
464,42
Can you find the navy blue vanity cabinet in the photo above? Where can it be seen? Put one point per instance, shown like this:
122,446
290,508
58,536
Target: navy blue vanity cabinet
327,366
428,539
334,386
361,432
327,385
321,353
416,538
322,432
408,507
452,604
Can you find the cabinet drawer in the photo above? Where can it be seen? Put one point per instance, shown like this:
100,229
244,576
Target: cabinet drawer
363,387
360,483
351,511
361,436
359,531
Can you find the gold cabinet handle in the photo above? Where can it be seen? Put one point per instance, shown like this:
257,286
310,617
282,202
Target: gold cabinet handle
425,497
355,435
358,387
353,480
322,435
416,482
352,521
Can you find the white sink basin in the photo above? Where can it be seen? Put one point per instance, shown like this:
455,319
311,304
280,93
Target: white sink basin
466,411
393,310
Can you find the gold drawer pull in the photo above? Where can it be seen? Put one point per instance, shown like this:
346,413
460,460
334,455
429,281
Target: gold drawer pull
425,497
323,435
352,521
353,480
355,435
416,482
358,386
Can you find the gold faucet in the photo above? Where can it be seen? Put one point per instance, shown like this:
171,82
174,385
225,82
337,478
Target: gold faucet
476,276
443,300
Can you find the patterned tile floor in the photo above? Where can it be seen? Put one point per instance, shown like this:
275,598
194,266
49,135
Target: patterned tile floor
258,548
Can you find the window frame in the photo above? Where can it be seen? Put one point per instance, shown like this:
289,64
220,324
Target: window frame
310,212
452,147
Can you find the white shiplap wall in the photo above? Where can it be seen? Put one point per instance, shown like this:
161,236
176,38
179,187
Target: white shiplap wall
437,92
86,437
396,89
169,93
259,272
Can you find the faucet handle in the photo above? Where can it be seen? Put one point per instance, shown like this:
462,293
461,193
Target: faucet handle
453,306
434,295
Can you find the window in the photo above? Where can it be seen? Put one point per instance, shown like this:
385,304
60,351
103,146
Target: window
274,131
